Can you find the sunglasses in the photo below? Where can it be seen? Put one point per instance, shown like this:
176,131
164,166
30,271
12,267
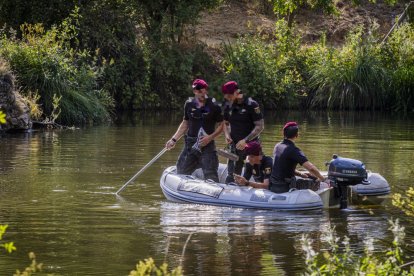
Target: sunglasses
197,87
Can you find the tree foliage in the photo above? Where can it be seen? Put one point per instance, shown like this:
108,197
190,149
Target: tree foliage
165,20
15,13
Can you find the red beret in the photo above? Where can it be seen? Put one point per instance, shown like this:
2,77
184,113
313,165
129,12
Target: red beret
229,87
199,84
253,148
290,124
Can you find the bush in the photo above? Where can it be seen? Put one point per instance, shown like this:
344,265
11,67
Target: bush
44,61
269,72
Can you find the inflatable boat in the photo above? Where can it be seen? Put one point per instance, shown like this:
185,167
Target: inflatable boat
190,189
193,189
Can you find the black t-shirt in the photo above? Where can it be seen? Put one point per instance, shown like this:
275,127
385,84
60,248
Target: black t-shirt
206,116
241,117
259,172
286,157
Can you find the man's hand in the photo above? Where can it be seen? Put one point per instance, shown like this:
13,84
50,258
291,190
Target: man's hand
205,140
228,139
170,144
241,144
240,180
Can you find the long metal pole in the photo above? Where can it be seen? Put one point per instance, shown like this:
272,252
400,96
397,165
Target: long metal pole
142,170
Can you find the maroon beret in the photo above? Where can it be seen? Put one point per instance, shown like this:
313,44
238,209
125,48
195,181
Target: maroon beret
290,124
229,87
253,148
199,84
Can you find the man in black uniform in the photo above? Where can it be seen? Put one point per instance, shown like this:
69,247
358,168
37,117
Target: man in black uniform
286,157
201,114
243,122
258,165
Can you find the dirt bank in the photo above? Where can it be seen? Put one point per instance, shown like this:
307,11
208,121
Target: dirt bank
235,18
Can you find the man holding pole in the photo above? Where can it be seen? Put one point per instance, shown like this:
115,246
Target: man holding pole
201,114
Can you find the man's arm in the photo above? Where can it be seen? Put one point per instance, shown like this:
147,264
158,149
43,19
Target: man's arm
208,138
181,130
259,185
241,180
313,170
301,174
258,128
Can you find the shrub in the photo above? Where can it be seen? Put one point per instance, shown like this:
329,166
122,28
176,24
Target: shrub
269,72
44,61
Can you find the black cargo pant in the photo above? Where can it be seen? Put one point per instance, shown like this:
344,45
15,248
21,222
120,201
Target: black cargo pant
280,186
235,166
191,159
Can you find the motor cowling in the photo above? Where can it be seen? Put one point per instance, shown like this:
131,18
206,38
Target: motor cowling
346,171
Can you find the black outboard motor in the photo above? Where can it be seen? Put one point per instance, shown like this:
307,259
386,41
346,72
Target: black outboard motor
344,172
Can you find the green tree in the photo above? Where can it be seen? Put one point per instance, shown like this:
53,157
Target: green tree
165,20
15,13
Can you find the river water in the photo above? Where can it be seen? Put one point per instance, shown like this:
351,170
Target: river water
57,196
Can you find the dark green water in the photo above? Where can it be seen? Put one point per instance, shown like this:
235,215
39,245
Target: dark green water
56,195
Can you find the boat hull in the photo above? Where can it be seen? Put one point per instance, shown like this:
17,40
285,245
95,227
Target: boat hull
192,189
184,188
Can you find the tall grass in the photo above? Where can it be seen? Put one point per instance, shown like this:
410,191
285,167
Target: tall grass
349,77
398,59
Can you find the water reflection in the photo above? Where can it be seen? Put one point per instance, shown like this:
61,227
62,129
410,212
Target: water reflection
257,242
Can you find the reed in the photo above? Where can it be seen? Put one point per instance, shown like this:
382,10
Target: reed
398,59
351,77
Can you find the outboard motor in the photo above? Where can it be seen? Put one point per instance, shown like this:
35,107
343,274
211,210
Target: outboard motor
344,172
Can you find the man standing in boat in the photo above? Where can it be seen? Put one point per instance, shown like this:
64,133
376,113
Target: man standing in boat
201,114
258,165
243,122
286,157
